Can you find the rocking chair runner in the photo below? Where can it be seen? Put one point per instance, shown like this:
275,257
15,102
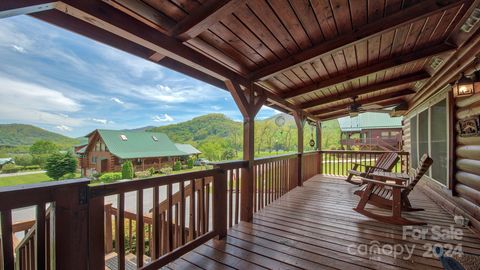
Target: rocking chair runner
385,162
391,196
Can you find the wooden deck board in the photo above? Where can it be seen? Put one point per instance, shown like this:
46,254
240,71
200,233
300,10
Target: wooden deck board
314,227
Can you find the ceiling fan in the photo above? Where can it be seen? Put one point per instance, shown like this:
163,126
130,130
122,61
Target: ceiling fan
355,108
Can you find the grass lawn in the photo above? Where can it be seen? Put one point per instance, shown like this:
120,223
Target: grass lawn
26,179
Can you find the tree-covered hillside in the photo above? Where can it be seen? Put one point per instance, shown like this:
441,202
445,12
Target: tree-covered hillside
21,135
220,138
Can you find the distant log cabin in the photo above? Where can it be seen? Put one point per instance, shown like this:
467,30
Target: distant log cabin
371,131
106,150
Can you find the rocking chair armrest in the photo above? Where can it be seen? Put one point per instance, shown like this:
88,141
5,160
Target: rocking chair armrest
391,178
368,180
375,167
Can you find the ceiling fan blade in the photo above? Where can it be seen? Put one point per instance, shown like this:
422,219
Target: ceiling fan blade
372,107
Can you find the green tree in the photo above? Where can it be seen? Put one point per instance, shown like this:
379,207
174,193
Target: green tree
24,160
127,170
43,147
57,165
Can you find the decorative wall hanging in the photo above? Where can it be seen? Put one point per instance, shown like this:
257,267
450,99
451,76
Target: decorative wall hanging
469,127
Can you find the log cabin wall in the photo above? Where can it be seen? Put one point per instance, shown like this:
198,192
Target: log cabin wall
461,195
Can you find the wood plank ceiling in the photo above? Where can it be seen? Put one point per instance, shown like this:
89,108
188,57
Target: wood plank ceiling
314,55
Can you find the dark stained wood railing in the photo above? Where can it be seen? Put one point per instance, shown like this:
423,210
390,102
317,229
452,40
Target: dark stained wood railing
65,219
186,210
189,210
338,162
274,176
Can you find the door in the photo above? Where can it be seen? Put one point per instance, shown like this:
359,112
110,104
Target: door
103,165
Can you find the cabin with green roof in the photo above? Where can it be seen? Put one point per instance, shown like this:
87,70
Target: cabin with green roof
106,150
371,131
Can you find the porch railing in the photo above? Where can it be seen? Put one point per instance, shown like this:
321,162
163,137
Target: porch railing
171,215
338,162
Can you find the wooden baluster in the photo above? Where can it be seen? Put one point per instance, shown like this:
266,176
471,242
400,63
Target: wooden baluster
182,212
169,219
255,188
175,227
202,202
120,231
207,208
40,237
230,194
156,223
164,238
237,196
140,232
191,226
8,258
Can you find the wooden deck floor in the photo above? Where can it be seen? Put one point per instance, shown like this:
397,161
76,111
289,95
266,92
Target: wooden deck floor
314,227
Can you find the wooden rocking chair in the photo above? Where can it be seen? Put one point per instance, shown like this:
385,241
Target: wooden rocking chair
391,196
385,162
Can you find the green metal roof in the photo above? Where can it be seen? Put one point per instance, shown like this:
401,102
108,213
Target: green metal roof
187,148
139,144
4,161
369,120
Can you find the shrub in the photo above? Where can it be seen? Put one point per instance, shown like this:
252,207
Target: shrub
58,165
24,160
151,171
177,166
190,163
166,170
10,168
142,174
110,177
31,168
40,160
127,170
68,176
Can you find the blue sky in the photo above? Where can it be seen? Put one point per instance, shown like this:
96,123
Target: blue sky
64,82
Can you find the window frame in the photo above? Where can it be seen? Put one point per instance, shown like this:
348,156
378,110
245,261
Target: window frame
427,106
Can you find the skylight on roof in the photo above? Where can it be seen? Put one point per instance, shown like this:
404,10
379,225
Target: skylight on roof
123,137
154,138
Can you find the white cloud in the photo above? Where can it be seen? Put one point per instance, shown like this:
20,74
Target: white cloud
216,108
162,118
34,103
64,128
100,121
117,100
18,48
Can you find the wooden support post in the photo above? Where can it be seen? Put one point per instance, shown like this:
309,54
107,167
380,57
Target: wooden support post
249,104
72,227
220,204
319,146
300,122
96,233
108,229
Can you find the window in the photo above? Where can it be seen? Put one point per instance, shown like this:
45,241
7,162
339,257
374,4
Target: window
123,137
439,143
385,134
413,138
394,133
423,141
94,159
428,135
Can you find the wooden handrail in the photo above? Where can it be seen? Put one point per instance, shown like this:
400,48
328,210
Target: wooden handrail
363,152
137,184
275,158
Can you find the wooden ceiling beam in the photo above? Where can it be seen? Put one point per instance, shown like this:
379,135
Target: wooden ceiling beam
207,15
9,8
411,78
377,99
406,16
382,65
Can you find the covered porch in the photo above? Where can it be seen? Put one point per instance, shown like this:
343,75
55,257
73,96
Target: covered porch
315,60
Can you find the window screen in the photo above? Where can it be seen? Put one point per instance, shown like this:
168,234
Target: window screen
423,135
413,140
439,144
